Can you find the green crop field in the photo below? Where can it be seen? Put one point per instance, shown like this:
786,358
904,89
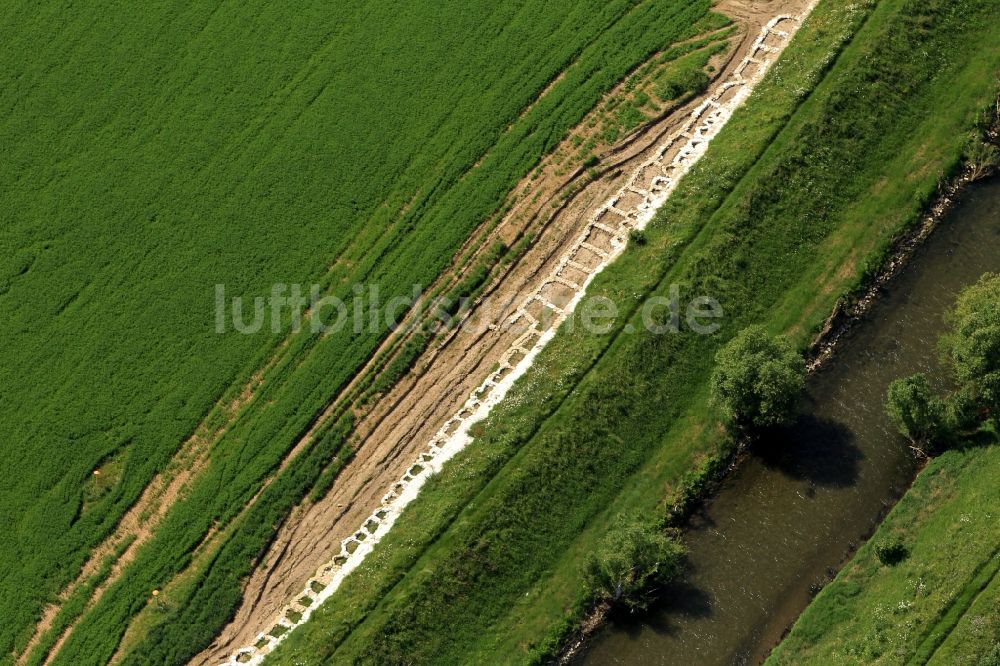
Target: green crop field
939,605
150,152
838,150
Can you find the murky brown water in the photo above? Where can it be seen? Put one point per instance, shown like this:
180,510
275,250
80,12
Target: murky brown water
794,511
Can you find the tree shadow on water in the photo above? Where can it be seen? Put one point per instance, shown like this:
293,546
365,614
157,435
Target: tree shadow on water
814,449
673,603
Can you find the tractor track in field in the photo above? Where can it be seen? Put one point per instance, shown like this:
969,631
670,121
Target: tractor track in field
322,542
138,524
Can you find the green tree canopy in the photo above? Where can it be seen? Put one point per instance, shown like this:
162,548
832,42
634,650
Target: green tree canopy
758,379
633,558
974,344
916,411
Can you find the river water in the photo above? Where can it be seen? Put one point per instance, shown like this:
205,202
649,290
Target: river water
791,514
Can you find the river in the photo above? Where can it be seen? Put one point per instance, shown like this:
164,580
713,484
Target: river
789,516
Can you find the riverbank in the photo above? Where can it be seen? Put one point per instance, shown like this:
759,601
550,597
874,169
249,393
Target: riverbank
852,310
786,521
936,606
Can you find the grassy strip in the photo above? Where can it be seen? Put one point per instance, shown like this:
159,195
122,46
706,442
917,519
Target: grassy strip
641,98
878,614
191,623
796,205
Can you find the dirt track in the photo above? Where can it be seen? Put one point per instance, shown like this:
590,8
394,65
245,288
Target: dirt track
399,426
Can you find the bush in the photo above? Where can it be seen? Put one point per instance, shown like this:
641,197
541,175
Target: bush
633,559
758,379
637,237
983,158
891,552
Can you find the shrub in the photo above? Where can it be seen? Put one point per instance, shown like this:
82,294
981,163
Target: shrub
992,657
758,379
891,552
983,158
637,237
973,349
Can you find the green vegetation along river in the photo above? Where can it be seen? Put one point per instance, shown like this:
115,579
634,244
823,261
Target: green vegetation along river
791,513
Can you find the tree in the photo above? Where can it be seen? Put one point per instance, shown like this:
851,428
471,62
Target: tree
973,348
758,379
974,343
916,411
634,557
